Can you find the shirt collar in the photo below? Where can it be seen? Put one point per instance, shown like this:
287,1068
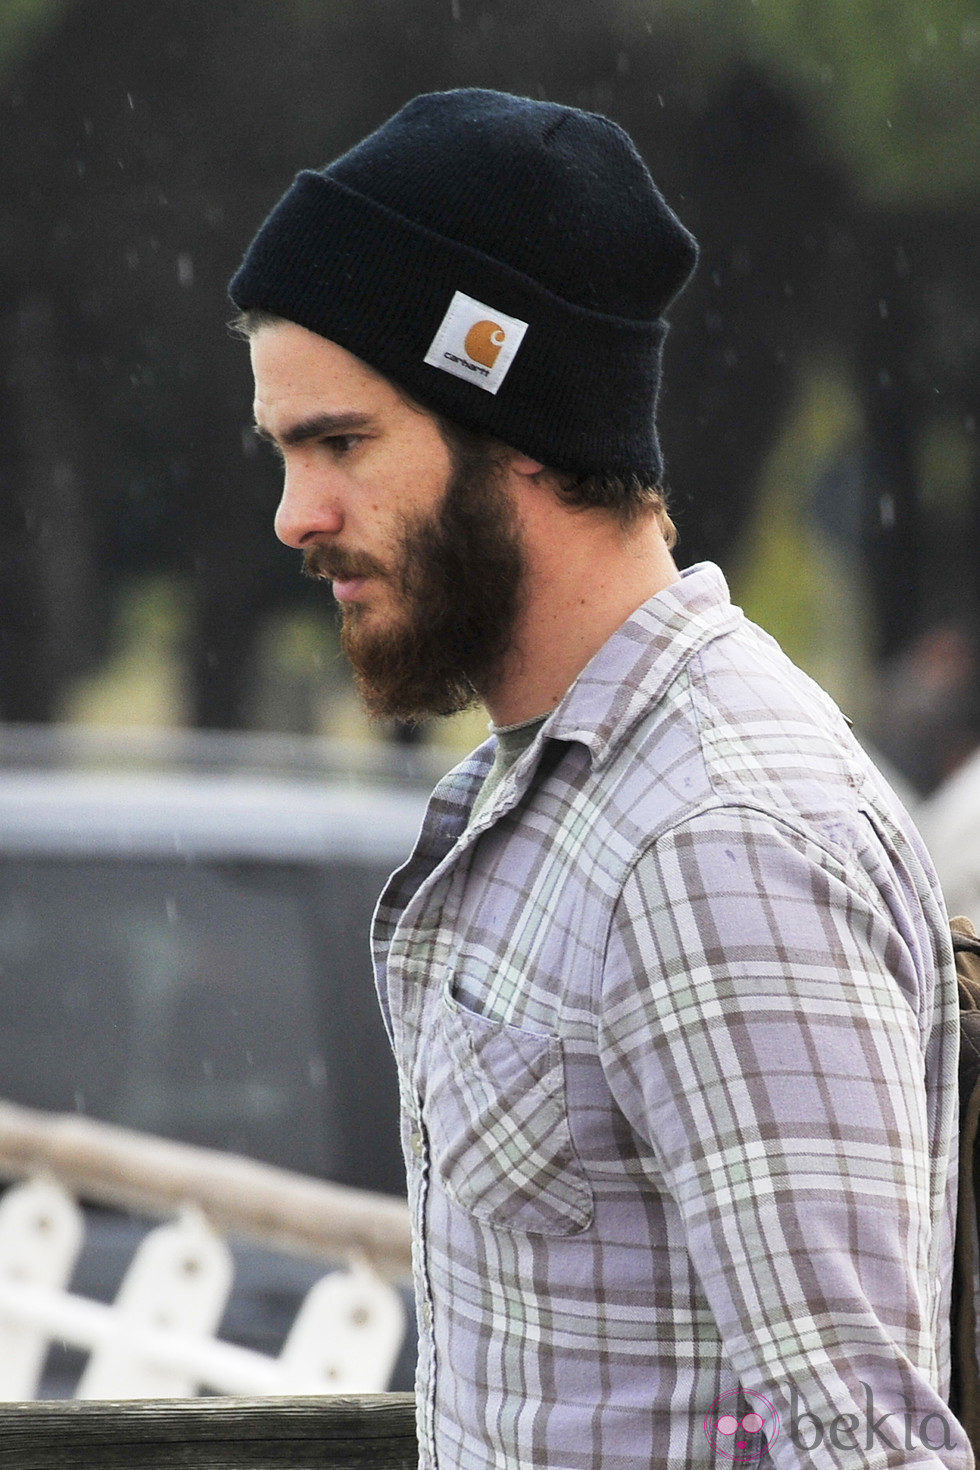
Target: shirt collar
631,671
641,660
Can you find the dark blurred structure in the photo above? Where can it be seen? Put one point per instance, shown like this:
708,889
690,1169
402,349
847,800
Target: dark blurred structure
141,149
927,716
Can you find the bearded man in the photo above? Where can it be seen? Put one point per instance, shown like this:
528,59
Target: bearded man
667,977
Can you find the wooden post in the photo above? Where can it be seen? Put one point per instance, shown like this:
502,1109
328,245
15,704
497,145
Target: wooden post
369,1432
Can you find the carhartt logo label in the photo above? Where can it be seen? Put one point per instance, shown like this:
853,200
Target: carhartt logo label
484,341
475,342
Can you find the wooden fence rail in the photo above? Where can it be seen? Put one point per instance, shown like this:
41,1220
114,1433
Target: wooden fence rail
369,1432
159,1336
115,1166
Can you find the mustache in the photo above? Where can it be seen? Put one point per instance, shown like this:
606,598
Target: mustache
332,564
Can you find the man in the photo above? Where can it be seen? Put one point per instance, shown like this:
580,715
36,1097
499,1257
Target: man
667,977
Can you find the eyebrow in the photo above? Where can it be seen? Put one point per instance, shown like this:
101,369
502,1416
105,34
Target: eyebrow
318,427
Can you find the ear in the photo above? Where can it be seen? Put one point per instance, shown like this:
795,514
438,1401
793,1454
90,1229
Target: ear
522,464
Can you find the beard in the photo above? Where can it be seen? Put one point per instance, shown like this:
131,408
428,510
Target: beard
458,577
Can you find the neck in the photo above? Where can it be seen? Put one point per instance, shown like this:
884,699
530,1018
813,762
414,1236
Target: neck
586,575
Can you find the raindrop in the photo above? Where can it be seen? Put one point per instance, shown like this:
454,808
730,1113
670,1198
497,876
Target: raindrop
79,1102
454,9
886,511
883,310
185,269
129,99
884,378
171,911
969,424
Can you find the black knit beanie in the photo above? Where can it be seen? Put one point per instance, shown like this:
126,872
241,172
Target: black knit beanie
505,261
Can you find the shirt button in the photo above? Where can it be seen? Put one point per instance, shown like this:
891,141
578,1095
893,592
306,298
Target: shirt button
416,1144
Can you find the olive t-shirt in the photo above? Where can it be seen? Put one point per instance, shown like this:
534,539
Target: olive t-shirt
512,741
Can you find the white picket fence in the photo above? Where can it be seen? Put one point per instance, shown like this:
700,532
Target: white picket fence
157,1339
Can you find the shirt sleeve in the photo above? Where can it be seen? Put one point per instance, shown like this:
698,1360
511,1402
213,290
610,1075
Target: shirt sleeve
759,1030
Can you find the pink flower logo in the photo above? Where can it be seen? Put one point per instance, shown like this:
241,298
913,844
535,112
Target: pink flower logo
742,1426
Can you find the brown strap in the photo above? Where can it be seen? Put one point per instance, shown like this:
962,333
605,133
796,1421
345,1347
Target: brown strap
966,947
965,1375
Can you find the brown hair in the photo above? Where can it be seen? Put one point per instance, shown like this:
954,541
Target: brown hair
626,496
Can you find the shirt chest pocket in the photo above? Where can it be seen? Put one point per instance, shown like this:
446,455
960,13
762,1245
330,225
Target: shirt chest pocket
497,1120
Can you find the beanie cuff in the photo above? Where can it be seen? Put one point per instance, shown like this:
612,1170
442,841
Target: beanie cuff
580,394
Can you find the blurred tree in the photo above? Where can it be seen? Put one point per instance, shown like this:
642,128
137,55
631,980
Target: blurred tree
23,25
891,97
893,88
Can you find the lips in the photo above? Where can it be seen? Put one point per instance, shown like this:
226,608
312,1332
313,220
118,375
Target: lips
347,573
346,589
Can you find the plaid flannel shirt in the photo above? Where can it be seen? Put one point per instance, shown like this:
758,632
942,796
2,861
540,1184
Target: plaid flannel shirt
676,1030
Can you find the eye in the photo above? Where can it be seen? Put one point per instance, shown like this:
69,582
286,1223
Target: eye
341,444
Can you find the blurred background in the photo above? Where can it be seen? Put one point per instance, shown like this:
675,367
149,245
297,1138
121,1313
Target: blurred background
820,410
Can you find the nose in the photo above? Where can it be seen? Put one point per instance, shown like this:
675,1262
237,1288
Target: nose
308,510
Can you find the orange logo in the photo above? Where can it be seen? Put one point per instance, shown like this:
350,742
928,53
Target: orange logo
484,341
